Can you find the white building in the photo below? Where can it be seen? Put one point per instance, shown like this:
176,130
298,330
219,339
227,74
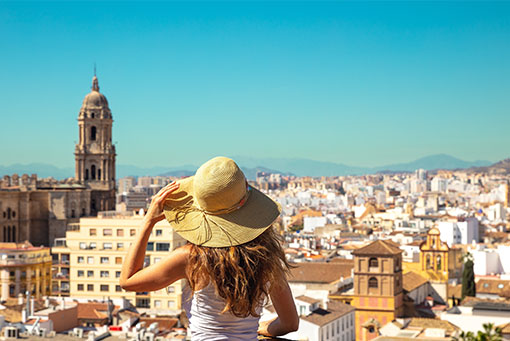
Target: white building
462,231
333,322
310,223
439,184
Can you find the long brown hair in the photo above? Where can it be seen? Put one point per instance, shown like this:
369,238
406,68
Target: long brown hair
243,274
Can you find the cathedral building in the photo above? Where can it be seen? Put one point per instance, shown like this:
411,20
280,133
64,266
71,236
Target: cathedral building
38,210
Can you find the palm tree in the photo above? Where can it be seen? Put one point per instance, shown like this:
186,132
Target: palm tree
489,333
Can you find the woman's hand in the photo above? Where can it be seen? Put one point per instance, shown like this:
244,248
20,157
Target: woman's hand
155,211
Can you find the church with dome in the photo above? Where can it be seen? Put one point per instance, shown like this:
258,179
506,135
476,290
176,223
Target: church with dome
39,210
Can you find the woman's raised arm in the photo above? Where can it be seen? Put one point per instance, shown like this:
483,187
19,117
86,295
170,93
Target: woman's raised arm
171,268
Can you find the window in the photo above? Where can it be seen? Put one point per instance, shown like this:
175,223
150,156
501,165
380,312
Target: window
93,232
143,303
118,288
107,246
373,263
83,245
105,274
90,287
171,304
162,246
118,260
372,282
500,286
156,259
104,287
438,262
428,264
93,131
105,260
81,273
80,287
157,303
170,289
150,246
159,232
90,260
93,172
92,245
81,259
107,232
132,232
117,274
120,233
120,246
90,273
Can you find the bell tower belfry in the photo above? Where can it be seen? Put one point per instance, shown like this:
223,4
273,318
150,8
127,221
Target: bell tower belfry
95,152
378,287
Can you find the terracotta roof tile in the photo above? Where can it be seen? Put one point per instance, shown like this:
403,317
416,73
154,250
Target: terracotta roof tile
320,272
412,280
334,311
379,247
307,299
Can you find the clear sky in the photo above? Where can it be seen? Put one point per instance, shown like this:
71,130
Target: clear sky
364,84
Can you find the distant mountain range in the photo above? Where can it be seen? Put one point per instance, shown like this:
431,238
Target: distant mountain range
250,166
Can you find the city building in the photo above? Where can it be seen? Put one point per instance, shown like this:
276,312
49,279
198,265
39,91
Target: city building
97,246
39,210
459,231
378,287
24,267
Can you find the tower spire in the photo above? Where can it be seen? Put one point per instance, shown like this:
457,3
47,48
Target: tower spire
95,83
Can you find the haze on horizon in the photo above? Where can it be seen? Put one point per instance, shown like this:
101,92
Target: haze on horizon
363,84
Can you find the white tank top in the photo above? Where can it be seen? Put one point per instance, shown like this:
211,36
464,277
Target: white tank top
207,323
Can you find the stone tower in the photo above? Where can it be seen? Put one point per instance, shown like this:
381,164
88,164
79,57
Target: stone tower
378,287
95,152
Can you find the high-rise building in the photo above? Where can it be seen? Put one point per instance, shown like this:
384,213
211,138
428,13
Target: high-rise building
96,248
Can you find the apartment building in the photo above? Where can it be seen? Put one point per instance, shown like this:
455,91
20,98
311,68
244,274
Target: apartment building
24,267
96,248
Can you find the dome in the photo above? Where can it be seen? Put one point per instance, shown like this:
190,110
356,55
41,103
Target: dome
95,99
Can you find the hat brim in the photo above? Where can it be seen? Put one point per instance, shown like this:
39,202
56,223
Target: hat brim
230,229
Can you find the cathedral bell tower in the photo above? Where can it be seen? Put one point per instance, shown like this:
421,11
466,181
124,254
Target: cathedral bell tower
95,152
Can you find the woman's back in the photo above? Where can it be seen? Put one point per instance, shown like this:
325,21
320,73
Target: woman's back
208,322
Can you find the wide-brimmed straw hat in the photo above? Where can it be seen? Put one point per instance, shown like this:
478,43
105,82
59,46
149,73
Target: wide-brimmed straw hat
217,208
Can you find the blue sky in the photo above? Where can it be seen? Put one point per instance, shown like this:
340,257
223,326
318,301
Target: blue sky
364,84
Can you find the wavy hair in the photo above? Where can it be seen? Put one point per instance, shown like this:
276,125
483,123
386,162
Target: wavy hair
242,275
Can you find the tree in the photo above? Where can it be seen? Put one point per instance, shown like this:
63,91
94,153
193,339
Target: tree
468,277
489,333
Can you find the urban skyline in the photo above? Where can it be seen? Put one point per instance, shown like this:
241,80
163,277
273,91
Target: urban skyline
358,84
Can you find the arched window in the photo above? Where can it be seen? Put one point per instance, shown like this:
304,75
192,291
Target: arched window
372,283
93,131
428,264
438,262
373,263
86,174
13,233
8,213
93,172
99,173
92,115
5,234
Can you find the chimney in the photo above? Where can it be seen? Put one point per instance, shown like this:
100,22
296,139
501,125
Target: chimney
32,304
